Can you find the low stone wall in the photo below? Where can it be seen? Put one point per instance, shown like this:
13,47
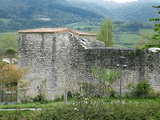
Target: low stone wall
141,64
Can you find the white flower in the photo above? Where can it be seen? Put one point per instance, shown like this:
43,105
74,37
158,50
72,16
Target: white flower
73,103
76,109
86,99
86,102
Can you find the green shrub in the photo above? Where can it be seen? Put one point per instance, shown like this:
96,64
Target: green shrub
57,99
90,111
40,98
143,90
41,94
151,45
16,115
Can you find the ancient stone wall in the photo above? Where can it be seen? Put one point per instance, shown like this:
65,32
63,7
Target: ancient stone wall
36,54
54,57
152,69
64,60
141,65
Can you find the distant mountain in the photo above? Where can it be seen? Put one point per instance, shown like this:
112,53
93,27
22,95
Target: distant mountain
49,8
140,10
24,14
136,11
71,9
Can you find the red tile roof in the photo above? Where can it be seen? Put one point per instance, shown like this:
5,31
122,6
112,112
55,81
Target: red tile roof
11,66
55,30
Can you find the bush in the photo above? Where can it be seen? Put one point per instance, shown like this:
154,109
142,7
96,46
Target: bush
151,46
143,90
40,98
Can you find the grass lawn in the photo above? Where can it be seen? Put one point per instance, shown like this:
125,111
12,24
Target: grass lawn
130,109
30,105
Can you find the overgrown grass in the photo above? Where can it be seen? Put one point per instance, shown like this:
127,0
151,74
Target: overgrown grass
93,111
16,115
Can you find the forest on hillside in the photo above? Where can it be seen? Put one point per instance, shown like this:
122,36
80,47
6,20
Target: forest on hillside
58,13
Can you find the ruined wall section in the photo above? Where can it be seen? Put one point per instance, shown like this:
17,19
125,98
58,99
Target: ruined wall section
141,65
108,57
65,59
70,60
152,69
35,52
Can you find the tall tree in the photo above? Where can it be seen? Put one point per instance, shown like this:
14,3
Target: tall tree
106,33
10,77
156,36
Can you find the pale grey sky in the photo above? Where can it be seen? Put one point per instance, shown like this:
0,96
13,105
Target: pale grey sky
121,1
118,1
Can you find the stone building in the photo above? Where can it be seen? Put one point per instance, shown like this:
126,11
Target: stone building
62,57
50,53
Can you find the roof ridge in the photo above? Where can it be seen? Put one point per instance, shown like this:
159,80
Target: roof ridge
55,30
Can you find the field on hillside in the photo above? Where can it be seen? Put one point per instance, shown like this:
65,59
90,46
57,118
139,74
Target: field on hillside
13,42
128,39
6,21
122,39
3,34
87,27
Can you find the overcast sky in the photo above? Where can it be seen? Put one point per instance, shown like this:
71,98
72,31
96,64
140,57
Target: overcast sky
118,1
121,1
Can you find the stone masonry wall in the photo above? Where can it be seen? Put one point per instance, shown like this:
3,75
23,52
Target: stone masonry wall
36,53
108,57
52,57
152,69
70,60
65,59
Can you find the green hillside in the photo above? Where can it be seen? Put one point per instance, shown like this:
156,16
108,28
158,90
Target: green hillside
29,14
